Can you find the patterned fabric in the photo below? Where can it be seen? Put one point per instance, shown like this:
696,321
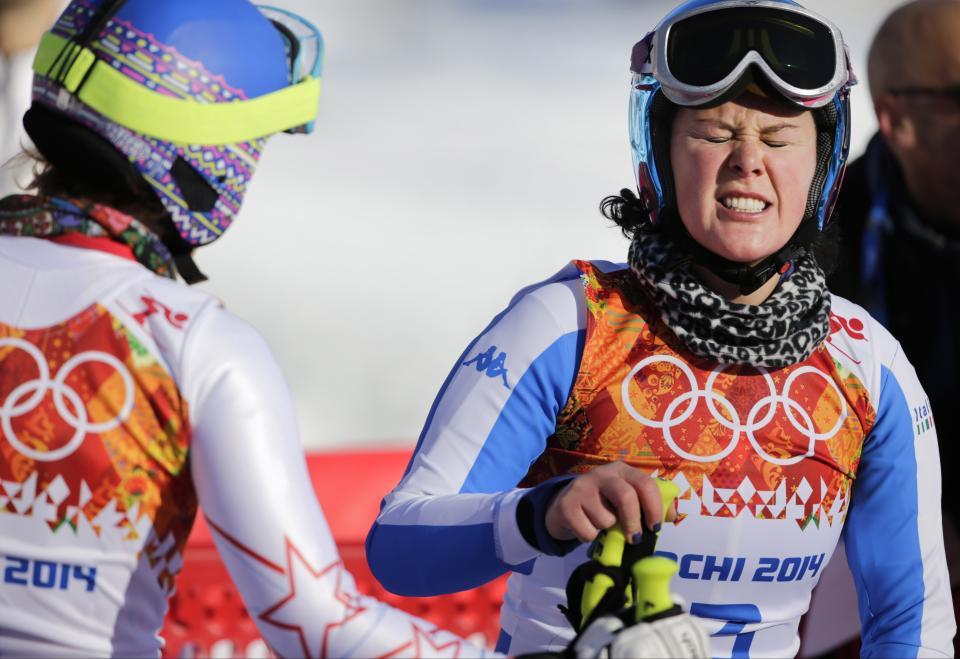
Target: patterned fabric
227,168
108,419
26,215
782,331
95,438
735,439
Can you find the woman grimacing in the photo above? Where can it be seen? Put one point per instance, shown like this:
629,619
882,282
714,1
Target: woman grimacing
716,358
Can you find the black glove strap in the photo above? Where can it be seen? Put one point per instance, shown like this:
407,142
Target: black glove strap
612,601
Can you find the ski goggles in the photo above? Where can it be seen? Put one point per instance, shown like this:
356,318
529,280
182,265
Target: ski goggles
701,55
304,45
185,121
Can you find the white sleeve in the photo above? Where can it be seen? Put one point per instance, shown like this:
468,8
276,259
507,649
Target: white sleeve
893,533
450,524
252,483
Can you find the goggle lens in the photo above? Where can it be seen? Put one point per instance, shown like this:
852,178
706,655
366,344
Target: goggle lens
302,39
705,48
304,45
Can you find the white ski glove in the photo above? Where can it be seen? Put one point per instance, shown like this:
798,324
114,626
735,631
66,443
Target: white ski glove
672,636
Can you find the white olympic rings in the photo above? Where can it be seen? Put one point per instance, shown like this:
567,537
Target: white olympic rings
34,391
804,425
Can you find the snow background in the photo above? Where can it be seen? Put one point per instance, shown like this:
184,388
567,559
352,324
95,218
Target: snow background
461,151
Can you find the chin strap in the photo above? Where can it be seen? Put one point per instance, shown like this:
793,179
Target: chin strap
748,278
183,257
187,269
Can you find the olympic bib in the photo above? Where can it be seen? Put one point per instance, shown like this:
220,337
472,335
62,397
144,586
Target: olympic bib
724,412
92,430
27,397
780,444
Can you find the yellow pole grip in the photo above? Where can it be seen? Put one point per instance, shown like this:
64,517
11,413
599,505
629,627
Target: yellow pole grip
651,578
593,592
608,550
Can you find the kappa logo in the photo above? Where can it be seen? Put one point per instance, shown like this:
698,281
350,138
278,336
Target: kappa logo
491,363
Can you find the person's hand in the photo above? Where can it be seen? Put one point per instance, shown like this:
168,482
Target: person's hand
596,500
671,637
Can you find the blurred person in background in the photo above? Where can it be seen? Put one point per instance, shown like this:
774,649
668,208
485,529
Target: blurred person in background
900,206
128,399
899,215
22,22
716,358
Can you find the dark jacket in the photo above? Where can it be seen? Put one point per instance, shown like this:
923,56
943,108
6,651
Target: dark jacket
908,277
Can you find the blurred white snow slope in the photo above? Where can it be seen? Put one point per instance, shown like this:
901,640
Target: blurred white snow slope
461,152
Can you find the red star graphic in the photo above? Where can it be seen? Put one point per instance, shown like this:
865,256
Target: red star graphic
431,649
316,589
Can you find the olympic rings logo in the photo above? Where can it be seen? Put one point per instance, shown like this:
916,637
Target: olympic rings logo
767,406
28,395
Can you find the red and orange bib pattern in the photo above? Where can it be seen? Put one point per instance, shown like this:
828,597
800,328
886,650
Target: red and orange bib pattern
94,436
772,444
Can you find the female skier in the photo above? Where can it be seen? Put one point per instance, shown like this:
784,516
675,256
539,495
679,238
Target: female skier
715,358
126,398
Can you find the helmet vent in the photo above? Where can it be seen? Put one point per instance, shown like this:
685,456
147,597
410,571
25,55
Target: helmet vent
196,191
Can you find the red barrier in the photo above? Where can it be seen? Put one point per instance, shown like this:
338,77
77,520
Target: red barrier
207,616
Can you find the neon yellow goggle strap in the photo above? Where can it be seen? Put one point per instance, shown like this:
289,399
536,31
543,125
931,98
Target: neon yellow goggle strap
181,121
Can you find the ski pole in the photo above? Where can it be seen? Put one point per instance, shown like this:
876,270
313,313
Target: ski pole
611,550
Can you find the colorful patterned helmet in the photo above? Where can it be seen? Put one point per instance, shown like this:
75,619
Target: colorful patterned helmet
706,52
186,90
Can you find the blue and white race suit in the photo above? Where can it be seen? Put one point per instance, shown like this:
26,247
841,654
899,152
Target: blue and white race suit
773,468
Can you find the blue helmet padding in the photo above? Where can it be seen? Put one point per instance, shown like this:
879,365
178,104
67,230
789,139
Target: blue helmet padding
838,160
641,139
231,38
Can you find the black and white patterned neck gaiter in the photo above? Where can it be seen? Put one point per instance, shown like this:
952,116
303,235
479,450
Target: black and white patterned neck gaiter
784,330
